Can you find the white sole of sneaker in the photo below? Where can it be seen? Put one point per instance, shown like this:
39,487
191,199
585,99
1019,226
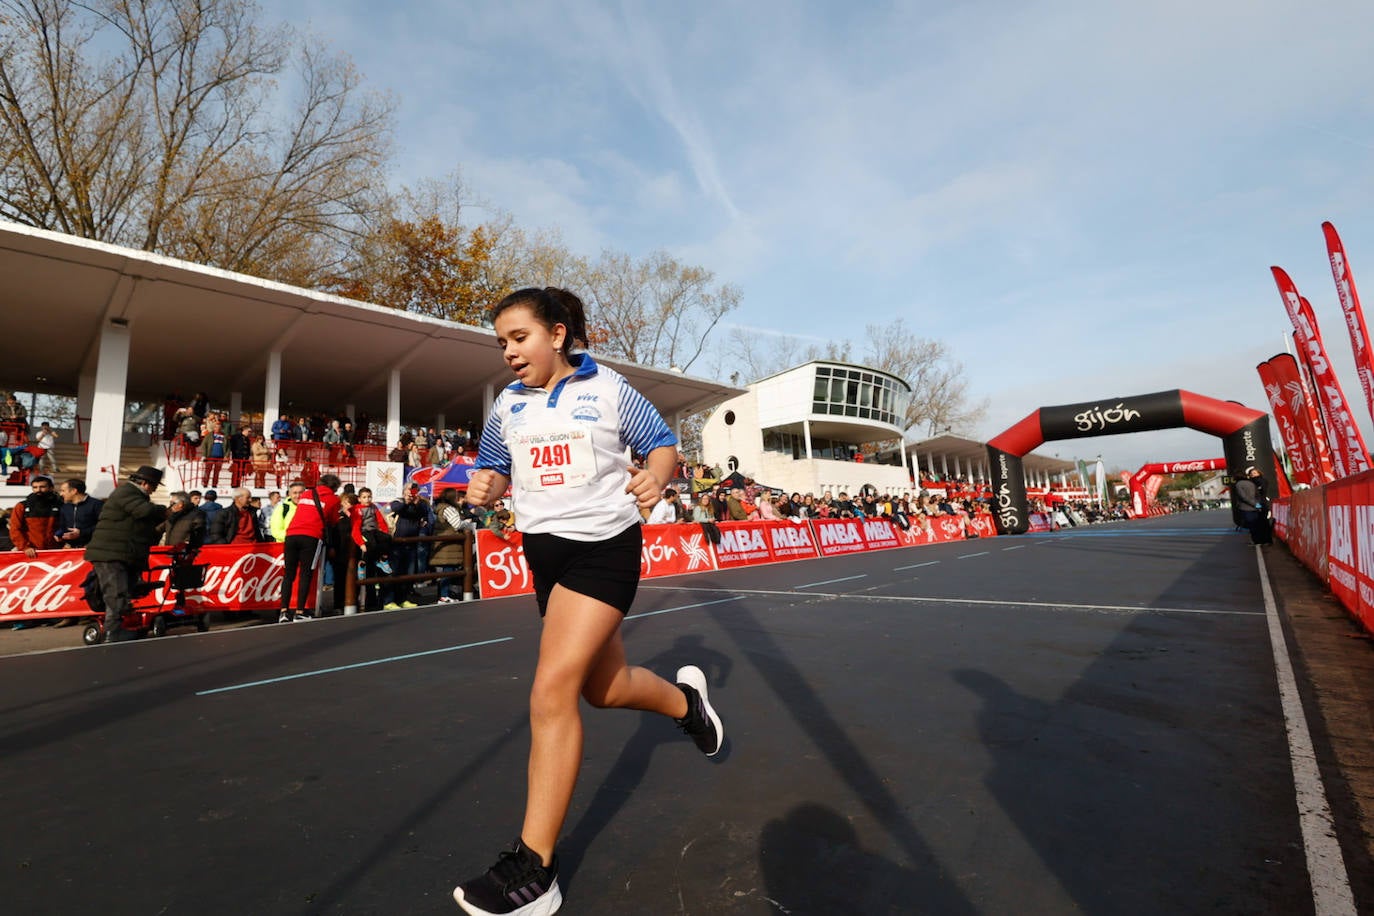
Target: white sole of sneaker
546,905
695,678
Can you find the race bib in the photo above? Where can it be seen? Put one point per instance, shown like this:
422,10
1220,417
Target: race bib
553,458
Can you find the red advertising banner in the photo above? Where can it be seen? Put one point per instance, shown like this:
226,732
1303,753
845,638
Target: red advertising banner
951,528
1354,314
1340,543
1300,455
1349,453
1363,502
838,536
668,550
1293,391
238,577
742,544
1307,528
501,565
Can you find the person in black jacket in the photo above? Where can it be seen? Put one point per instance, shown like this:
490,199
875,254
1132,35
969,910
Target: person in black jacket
185,524
78,515
118,551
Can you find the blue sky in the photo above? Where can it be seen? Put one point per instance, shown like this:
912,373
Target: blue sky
1017,179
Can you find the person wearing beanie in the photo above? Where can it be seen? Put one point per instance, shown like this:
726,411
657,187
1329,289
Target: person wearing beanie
118,551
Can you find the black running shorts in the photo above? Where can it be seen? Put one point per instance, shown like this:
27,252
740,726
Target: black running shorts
605,570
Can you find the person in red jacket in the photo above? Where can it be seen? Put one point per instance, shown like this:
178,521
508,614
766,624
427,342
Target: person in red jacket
33,524
307,535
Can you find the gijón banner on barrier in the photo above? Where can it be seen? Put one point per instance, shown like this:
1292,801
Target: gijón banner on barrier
671,550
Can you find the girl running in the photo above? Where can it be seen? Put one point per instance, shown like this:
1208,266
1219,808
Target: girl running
561,437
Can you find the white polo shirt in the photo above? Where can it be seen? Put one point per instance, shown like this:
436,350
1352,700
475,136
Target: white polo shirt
567,451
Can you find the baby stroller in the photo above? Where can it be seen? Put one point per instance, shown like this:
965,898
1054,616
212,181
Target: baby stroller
151,614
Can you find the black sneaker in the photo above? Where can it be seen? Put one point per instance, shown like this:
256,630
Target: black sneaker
701,721
518,884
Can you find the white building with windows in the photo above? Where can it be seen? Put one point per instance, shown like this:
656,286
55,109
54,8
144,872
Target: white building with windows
810,430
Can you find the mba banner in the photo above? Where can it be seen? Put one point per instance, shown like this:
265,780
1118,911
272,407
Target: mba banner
752,543
1354,314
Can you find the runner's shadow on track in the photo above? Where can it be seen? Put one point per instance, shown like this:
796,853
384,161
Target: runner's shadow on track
632,764
812,862
798,699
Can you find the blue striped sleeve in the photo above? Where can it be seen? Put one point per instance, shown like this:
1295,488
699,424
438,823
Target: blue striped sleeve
641,426
491,448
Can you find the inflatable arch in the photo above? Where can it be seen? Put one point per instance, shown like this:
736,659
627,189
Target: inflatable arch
1244,434
1138,479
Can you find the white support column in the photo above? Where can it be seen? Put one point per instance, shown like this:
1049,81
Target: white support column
351,411
393,408
107,408
957,471
488,399
944,465
235,409
271,394
439,424
85,402
806,435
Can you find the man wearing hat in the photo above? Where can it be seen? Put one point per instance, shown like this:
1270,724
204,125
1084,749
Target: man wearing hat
118,551
1252,499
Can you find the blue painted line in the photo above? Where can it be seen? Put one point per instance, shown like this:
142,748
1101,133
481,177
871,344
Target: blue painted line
828,581
916,565
685,607
1160,533
379,661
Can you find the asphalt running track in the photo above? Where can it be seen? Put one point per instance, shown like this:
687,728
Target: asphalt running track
1082,722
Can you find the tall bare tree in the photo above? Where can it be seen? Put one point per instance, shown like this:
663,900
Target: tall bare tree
655,310
939,385
158,124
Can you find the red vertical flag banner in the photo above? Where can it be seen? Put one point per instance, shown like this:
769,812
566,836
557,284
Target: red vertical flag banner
1348,453
1296,440
1321,437
1354,315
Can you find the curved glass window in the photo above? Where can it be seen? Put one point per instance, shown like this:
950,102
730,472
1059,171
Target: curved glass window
864,395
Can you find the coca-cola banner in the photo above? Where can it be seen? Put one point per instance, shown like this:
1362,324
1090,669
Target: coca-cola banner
238,577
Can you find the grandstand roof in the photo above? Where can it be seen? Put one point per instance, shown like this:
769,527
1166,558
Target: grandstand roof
197,328
971,450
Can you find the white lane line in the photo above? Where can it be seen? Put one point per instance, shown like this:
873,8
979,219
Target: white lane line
861,596
829,581
1017,547
981,553
377,661
685,607
916,565
1331,893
